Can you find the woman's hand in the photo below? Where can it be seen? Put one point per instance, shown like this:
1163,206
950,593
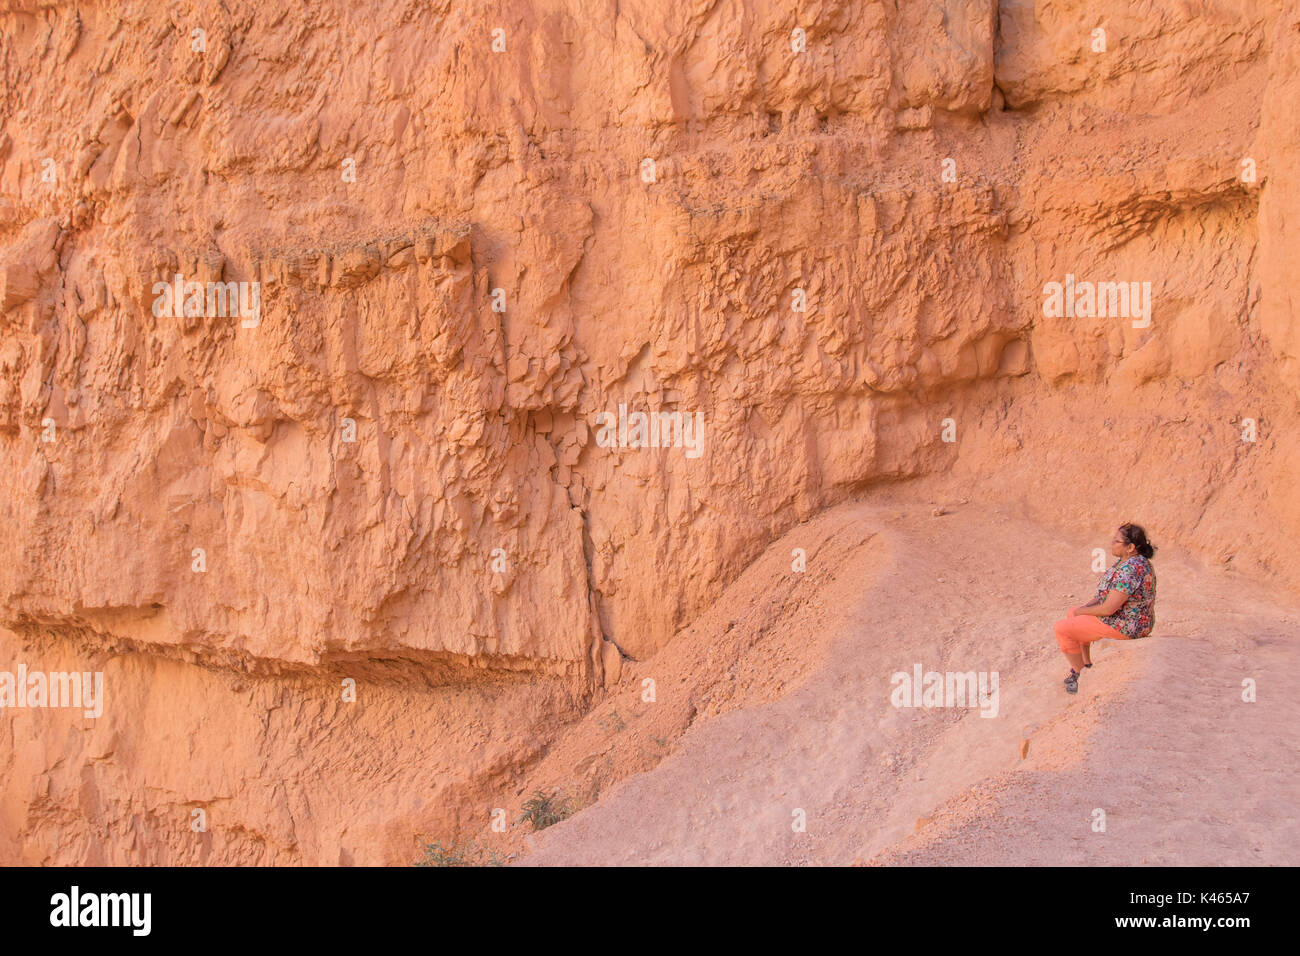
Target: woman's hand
1114,601
1075,610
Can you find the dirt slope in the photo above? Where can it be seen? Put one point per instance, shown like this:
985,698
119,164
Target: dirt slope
1158,736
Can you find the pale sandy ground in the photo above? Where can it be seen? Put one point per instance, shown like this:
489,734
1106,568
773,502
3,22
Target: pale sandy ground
1158,736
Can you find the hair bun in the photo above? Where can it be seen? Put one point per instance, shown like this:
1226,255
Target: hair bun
1136,535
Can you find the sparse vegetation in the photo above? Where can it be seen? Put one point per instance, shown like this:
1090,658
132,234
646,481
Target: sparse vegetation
547,809
612,723
471,854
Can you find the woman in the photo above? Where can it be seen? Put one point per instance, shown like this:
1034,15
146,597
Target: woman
1124,608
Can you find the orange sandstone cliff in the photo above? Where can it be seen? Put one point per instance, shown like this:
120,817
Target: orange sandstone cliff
472,231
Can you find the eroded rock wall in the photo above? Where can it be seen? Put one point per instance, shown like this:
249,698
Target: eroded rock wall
826,234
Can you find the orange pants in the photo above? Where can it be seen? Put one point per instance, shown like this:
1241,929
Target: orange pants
1075,630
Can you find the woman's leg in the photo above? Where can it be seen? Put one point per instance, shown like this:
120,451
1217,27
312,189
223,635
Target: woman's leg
1073,633
1084,652
1067,642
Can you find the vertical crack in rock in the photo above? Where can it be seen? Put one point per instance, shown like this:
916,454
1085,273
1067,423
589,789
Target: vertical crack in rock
999,94
595,600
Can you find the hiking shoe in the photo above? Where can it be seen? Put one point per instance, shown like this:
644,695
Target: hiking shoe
1072,682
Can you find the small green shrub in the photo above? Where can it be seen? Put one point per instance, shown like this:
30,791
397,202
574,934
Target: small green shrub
435,854
547,809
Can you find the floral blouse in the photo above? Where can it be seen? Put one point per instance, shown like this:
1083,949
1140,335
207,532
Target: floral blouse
1135,577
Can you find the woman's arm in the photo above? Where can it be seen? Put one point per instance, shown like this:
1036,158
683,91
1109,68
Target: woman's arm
1114,601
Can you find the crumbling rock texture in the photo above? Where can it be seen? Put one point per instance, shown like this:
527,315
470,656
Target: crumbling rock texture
476,227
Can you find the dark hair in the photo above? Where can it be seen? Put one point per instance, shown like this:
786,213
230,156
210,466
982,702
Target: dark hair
1135,535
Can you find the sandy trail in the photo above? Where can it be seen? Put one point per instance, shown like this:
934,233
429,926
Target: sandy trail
1158,736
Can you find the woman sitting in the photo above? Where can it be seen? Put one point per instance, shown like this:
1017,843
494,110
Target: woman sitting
1124,608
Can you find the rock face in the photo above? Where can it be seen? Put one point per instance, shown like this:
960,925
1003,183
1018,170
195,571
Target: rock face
324,334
